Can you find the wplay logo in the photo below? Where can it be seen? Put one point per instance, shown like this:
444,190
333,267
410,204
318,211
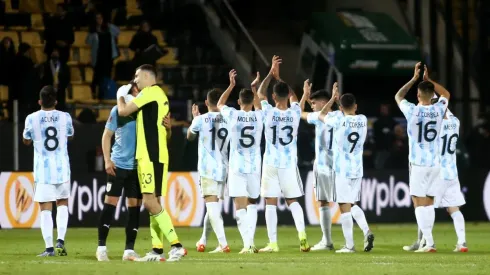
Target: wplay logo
17,208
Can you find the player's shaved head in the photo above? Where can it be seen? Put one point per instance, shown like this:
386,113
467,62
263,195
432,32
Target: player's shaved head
320,95
47,97
281,89
347,101
246,96
213,97
426,89
145,76
148,68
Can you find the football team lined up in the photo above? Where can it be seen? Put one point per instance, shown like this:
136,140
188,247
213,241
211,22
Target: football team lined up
139,162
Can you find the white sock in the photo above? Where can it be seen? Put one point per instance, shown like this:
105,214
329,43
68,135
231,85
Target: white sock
252,222
61,221
101,248
419,235
47,227
242,223
459,226
360,218
214,210
271,221
298,216
348,228
326,224
431,216
206,229
422,220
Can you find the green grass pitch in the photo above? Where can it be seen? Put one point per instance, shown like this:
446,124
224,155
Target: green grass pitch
19,247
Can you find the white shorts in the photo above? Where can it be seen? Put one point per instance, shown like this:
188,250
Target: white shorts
277,180
323,187
346,190
210,187
51,192
422,180
448,194
243,185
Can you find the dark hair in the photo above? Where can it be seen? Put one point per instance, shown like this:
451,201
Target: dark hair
148,68
47,95
347,101
426,87
213,97
321,94
61,5
281,89
246,96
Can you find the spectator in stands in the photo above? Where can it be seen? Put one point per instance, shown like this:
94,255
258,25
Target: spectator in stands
59,33
7,56
54,72
383,135
24,86
141,41
76,10
397,158
102,40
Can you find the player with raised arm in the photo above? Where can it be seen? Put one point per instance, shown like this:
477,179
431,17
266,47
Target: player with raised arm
280,170
152,107
120,166
448,190
349,135
213,130
424,123
246,127
49,130
322,167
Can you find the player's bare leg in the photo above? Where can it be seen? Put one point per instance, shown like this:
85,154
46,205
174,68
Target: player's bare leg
425,215
206,229
459,227
360,218
162,219
299,221
252,222
47,228
326,225
242,222
214,211
61,226
271,222
347,228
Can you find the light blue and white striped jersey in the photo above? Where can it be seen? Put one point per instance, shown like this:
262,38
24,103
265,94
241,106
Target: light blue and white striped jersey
49,132
449,140
246,134
281,135
323,140
423,127
214,138
348,144
124,149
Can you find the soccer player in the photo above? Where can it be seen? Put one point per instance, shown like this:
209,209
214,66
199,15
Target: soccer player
49,130
121,173
324,170
280,171
246,127
213,130
424,123
448,189
349,135
152,157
